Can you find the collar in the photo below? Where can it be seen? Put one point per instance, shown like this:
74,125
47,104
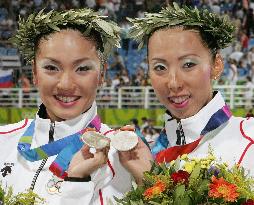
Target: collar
193,125
61,129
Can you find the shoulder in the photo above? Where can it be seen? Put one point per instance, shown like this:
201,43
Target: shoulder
11,129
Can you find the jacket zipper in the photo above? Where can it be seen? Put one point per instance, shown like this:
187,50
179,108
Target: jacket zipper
180,134
51,138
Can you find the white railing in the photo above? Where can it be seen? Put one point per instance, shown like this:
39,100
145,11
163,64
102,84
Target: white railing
124,97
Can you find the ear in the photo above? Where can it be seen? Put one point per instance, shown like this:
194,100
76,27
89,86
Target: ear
217,67
35,79
102,73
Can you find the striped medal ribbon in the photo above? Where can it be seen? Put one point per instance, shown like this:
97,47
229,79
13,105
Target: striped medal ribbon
166,155
64,148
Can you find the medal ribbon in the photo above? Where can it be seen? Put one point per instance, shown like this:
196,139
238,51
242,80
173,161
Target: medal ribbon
64,148
169,154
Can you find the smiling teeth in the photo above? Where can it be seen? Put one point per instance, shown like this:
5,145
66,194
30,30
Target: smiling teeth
179,100
66,99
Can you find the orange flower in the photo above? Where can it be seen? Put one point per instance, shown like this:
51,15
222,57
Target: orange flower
219,188
156,189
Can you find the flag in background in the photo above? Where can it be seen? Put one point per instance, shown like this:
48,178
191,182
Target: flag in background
6,79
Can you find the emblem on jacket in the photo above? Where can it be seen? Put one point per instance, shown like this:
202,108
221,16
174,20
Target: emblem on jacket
54,185
7,169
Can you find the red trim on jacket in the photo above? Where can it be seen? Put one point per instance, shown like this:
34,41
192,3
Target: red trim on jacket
246,137
111,168
101,197
109,164
105,133
24,125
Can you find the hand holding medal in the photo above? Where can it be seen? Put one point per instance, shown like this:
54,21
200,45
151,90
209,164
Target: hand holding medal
137,158
88,160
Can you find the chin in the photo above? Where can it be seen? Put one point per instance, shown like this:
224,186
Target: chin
63,117
179,115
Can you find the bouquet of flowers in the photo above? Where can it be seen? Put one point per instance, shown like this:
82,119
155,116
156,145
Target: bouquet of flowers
187,181
25,198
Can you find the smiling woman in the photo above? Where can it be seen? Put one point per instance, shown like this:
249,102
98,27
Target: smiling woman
67,81
68,51
176,73
184,58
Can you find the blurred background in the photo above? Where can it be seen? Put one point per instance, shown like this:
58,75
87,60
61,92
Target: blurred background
126,97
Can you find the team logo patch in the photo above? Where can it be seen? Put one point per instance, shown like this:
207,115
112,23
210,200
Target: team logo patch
7,169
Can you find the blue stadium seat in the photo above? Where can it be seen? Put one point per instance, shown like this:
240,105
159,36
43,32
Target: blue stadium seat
12,51
6,34
3,13
251,43
3,51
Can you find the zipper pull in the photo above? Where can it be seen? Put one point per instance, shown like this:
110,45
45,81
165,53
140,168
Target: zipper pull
51,131
180,134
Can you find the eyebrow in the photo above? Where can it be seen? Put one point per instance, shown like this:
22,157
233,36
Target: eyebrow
159,59
187,55
180,58
76,62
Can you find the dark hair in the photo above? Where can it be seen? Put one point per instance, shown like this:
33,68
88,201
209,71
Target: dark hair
135,121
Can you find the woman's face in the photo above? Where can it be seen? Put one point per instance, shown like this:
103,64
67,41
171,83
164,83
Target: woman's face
181,69
67,74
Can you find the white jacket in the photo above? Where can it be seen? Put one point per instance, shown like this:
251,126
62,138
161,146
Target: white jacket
108,181
232,142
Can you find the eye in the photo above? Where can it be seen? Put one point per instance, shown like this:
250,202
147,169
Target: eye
51,68
189,65
159,67
84,68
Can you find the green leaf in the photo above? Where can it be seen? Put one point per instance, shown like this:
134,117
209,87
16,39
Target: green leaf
203,186
176,7
196,171
104,26
54,27
179,192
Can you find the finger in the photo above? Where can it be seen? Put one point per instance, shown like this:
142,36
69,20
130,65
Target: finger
85,150
100,158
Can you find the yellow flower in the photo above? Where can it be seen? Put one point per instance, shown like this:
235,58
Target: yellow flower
184,157
196,160
211,157
203,166
172,162
188,166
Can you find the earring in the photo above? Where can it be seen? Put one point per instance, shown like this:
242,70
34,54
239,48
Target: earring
217,72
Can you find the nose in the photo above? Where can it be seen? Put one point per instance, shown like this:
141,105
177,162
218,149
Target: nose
175,80
66,83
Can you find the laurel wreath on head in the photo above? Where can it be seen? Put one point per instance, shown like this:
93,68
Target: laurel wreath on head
220,29
38,25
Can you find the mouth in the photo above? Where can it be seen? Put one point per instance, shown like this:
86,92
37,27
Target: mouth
66,99
179,101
